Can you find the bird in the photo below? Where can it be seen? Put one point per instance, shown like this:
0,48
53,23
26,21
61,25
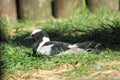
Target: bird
44,46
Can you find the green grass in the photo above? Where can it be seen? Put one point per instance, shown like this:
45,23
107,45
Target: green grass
16,54
17,58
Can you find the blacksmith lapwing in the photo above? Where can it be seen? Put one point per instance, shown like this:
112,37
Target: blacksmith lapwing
43,46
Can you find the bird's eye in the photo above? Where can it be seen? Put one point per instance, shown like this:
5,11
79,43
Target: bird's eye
37,35
32,35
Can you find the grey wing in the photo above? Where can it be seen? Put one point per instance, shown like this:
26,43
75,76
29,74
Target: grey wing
58,47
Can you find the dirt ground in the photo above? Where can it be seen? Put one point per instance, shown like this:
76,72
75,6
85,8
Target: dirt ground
109,74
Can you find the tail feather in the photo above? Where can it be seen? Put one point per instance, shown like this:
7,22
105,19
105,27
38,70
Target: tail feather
89,46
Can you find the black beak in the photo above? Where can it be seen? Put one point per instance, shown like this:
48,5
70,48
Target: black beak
29,37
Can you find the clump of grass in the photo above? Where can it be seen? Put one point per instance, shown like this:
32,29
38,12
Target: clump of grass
3,32
89,61
107,33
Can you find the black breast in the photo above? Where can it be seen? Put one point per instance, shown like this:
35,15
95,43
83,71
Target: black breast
34,48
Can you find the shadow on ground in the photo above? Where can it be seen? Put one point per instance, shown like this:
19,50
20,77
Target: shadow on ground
1,70
109,37
20,40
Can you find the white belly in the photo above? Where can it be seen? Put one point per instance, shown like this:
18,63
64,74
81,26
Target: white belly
45,50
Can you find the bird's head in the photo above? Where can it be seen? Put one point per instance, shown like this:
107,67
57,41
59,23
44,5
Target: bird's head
38,35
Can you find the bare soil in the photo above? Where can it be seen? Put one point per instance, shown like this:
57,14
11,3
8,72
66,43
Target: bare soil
54,74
